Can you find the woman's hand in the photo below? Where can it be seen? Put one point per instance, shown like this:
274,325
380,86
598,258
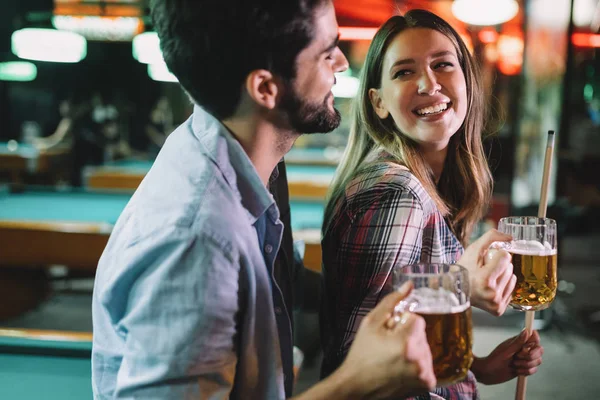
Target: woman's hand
491,278
519,355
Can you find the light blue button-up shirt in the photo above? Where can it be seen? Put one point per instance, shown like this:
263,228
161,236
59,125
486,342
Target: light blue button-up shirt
183,298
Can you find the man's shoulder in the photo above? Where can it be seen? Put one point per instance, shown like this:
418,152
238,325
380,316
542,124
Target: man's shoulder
202,203
180,225
190,188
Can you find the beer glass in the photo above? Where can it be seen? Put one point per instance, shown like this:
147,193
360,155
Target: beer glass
441,297
534,258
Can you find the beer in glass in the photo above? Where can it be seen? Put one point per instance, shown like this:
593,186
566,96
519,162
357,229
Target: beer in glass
534,258
441,297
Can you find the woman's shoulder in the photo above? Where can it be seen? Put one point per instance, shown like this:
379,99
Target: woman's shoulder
387,178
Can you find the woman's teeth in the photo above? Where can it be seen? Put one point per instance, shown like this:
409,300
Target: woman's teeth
432,109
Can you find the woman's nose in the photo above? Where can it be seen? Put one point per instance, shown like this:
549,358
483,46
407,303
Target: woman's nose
428,84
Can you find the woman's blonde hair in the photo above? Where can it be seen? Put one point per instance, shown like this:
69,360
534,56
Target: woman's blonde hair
465,187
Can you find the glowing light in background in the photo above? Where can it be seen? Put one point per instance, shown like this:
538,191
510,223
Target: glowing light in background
49,45
146,48
557,16
18,71
510,54
159,72
488,35
485,12
355,33
585,40
467,39
346,86
100,28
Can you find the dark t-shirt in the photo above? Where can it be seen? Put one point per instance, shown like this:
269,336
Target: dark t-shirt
286,272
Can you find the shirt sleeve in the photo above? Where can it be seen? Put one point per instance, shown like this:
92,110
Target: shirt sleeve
178,322
387,232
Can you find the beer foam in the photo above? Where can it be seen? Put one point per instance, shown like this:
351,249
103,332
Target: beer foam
426,300
531,248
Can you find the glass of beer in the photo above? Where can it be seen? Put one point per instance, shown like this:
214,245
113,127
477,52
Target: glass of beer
441,297
534,259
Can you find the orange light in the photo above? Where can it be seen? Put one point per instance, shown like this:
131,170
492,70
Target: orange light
466,38
108,10
100,28
487,36
355,33
510,54
585,40
508,69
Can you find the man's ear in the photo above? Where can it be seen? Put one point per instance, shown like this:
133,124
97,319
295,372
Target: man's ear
377,103
262,87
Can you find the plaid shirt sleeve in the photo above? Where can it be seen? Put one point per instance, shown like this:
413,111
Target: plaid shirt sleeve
383,228
385,233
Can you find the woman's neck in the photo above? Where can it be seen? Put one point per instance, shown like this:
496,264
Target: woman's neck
436,160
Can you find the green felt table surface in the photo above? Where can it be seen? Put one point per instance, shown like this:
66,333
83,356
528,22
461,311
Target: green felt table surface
320,155
44,369
130,165
22,149
73,205
306,154
295,172
41,204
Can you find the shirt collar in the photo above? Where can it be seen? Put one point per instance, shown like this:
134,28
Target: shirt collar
231,159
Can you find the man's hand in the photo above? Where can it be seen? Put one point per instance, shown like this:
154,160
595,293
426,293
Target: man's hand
491,276
519,355
387,359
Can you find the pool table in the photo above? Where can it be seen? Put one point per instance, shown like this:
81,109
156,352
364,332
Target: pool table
41,226
314,156
45,365
51,365
305,181
19,158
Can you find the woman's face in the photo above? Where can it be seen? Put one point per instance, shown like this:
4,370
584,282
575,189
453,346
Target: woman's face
423,87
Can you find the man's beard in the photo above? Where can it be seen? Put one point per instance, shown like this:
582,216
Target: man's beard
306,117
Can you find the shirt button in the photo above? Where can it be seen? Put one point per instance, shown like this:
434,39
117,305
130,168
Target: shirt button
277,310
268,249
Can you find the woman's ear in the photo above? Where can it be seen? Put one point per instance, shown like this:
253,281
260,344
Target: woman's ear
377,103
262,87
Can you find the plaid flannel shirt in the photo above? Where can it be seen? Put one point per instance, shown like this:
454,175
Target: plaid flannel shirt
385,218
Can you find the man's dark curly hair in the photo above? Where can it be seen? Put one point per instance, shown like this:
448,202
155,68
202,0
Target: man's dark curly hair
212,45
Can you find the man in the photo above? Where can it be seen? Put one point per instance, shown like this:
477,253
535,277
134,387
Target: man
185,303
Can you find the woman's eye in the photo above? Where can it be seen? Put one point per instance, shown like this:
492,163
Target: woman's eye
444,64
402,72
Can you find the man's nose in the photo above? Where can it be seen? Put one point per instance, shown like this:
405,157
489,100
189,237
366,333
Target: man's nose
341,62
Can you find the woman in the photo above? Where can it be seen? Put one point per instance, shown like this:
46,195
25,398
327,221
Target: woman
412,184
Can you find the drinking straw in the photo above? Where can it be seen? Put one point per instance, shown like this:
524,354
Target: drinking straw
530,315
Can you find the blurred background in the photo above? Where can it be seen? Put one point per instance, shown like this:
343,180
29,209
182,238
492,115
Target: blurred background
86,103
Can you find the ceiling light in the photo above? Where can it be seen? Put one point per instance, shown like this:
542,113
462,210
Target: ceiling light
345,86
557,16
18,71
356,33
100,28
146,48
485,12
160,72
48,45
